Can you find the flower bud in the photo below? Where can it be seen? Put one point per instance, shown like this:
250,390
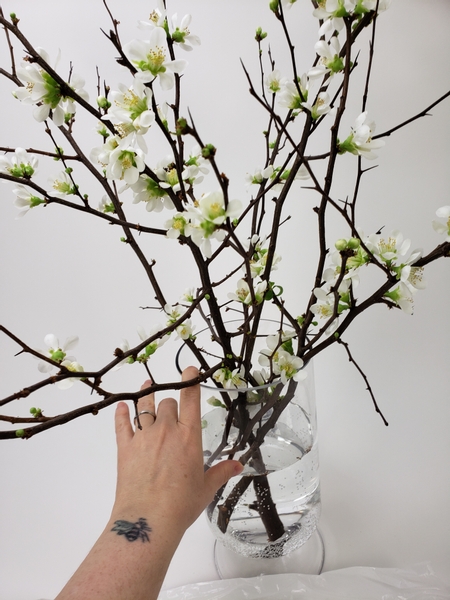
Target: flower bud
353,243
20,433
341,245
103,102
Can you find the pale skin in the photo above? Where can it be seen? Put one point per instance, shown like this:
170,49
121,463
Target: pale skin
160,479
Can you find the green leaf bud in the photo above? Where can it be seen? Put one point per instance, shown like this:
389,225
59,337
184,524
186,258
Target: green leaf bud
273,5
60,152
215,402
208,151
182,128
260,35
20,433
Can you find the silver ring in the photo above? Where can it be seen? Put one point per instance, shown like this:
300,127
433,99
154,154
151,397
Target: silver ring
145,412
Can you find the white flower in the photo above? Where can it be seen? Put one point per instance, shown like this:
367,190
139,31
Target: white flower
324,308
259,259
274,82
181,34
290,96
279,357
185,330
360,140
244,295
330,61
123,347
26,199
149,191
259,176
62,185
320,107
231,380
176,226
206,218
149,57
130,111
125,164
174,312
157,17
401,296
19,164
168,175
55,351
157,343
443,228
71,365
41,89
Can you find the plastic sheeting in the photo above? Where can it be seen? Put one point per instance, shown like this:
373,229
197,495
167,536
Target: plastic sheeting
354,583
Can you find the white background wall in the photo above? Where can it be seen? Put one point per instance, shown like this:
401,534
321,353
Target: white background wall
386,491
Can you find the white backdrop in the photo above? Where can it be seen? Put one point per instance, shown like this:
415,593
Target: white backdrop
386,491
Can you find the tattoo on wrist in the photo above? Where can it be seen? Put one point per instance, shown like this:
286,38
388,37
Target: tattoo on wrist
133,531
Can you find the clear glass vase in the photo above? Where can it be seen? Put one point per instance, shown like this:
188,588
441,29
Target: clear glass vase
265,520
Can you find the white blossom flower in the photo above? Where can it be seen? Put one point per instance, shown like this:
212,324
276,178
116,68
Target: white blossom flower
181,34
174,312
26,199
324,308
155,344
244,295
125,164
176,226
205,219
149,57
41,90
20,164
185,330
55,351
360,140
123,347
274,81
167,174
70,365
443,228
149,191
330,61
130,112
231,380
258,260
320,107
105,205
279,357
62,185
402,297
259,175
157,17
293,96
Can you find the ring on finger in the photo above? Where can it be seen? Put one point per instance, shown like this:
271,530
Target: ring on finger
145,412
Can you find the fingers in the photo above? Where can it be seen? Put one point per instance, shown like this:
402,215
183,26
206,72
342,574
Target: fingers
218,475
146,403
124,431
190,399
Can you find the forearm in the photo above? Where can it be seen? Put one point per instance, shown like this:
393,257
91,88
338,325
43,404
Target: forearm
128,562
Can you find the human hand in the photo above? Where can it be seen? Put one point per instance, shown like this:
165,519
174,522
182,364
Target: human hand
160,467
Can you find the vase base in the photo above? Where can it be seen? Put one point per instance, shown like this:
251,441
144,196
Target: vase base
308,560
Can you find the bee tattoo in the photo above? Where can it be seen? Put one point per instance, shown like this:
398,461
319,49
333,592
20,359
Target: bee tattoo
133,531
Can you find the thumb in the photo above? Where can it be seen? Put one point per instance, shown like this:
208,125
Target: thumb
218,475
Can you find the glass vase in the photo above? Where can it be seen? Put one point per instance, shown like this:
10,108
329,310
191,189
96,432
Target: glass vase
265,520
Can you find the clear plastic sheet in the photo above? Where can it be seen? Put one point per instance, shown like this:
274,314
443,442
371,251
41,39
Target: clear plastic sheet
353,583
